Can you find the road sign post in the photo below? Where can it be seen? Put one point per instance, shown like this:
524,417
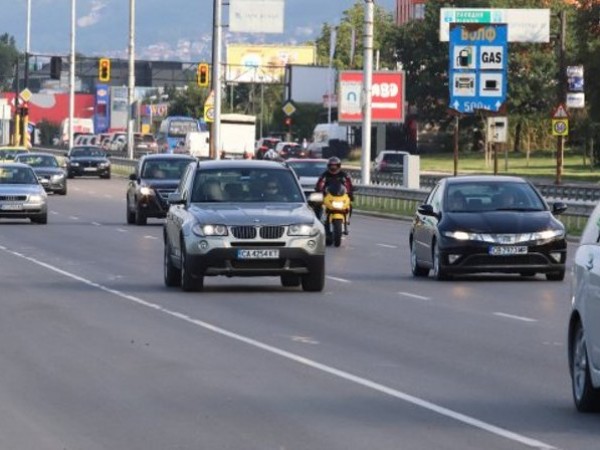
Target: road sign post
560,129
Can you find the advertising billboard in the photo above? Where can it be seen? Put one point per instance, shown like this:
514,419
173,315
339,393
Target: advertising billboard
309,84
256,16
387,97
264,63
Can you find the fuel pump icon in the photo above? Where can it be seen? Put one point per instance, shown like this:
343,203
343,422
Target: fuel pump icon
464,58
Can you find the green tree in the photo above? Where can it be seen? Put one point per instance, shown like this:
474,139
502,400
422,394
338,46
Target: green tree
8,57
188,101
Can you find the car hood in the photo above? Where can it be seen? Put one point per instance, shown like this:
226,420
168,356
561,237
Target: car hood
499,222
160,184
20,189
252,214
48,171
88,158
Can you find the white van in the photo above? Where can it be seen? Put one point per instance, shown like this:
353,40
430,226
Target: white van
197,144
323,134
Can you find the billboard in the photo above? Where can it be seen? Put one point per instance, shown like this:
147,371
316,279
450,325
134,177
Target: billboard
264,63
387,97
524,25
256,16
308,84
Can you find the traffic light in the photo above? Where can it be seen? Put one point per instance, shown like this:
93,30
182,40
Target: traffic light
104,69
202,75
55,67
288,121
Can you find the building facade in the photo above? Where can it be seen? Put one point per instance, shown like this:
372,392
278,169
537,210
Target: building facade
407,10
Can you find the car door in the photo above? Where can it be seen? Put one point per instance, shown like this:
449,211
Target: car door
134,184
425,225
177,213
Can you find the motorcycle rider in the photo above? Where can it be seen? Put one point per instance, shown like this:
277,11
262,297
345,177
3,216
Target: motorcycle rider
334,172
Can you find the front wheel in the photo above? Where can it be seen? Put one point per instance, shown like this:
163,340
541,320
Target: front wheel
438,272
315,280
417,270
586,397
189,282
140,217
172,273
337,225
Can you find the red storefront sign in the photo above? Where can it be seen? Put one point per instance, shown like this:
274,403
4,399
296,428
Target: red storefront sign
387,97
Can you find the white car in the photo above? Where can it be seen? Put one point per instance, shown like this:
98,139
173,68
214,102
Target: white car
584,323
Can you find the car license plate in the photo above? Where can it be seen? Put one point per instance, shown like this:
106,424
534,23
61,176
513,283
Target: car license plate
508,250
89,169
258,254
12,207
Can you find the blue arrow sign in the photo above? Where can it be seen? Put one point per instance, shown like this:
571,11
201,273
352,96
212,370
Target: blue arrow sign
478,66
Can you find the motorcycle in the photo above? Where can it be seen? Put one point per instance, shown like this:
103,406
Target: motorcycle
336,217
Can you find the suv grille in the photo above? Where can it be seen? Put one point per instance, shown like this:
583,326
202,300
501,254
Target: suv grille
271,232
244,232
251,232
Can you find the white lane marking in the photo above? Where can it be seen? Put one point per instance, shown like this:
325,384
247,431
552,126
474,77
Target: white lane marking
108,196
446,412
54,213
150,237
121,230
387,246
510,316
418,297
73,217
341,280
305,340
76,189
96,224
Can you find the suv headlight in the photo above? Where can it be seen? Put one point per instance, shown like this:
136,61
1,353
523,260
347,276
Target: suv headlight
58,176
145,190
209,230
302,230
36,198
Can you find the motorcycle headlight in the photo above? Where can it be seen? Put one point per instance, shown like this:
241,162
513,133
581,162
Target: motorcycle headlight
145,190
302,230
209,230
337,204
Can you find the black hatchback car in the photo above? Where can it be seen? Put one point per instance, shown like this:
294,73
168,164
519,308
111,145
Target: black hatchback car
475,224
87,160
156,176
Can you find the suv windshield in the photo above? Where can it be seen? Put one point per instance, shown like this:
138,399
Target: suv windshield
167,169
242,185
87,151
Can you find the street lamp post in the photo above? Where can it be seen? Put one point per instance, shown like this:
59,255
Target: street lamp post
72,75
366,92
131,87
216,79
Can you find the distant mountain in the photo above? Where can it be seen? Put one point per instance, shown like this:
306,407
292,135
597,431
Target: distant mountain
177,29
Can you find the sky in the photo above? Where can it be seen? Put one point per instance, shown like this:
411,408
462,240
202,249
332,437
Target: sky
165,29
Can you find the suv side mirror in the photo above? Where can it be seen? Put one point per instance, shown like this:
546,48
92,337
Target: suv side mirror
559,208
132,176
175,198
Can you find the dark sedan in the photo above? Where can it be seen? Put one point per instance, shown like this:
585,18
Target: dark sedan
156,176
475,224
48,170
88,160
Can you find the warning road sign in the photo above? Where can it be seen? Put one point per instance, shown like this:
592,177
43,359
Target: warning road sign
560,112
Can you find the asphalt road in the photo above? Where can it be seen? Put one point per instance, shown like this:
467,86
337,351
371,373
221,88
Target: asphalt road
97,354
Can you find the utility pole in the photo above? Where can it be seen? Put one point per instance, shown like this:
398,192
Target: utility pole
72,75
215,132
562,90
366,93
27,43
131,86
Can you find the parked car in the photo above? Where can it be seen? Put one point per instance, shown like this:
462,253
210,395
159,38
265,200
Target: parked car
265,144
21,194
389,161
242,218
50,174
89,160
475,224
155,177
584,323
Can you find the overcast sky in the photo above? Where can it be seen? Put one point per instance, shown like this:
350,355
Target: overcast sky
165,29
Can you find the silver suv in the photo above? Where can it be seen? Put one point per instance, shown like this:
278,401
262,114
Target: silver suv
242,218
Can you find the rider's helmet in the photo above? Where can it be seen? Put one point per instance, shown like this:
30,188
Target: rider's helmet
334,165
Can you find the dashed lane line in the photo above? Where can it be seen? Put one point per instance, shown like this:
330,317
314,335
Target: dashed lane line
511,316
415,296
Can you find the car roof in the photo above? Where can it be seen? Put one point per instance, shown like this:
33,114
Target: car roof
40,154
306,160
167,156
241,164
485,178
